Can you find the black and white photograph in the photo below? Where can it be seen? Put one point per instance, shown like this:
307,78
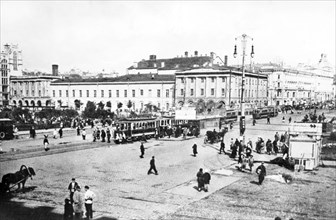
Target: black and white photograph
167,110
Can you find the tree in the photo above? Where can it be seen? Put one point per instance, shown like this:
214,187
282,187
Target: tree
129,104
77,103
148,107
90,110
108,104
101,105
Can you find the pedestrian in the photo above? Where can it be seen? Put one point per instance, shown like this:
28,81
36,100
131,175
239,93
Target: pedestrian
200,182
206,180
290,119
261,171
55,133
248,151
108,135
194,147
103,135
60,131
83,134
78,131
88,197
16,132
72,188
46,143
269,146
152,166
222,147
254,122
283,119
68,210
94,135
32,132
234,149
98,134
277,136
78,204
142,150
240,151
275,147
250,162
268,120
231,126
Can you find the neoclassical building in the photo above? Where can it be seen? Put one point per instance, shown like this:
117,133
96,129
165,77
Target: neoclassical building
139,89
220,87
32,92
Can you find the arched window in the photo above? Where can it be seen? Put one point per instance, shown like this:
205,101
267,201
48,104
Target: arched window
15,61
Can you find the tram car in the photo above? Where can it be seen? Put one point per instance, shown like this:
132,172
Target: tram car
269,111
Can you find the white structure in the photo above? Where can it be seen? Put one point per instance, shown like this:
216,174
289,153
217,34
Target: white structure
220,87
140,89
11,65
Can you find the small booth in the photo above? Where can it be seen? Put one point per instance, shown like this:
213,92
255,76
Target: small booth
305,144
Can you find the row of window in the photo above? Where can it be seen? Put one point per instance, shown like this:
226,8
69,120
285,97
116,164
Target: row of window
212,92
109,95
15,93
248,81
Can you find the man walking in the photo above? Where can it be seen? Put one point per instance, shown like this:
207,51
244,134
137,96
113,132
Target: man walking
152,167
108,134
261,171
268,120
194,147
88,197
72,188
142,150
222,147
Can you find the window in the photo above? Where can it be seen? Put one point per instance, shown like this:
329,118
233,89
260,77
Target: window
60,93
223,92
80,93
87,93
110,93
223,79
125,93
27,92
141,104
182,80
167,106
191,92
212,79
54,93
39,92
182,92
293,94
117,93
141,92
95,93
202,80
167,93
66,93
158,105
279,76
133,93
212,91
149,93
102,93
158,93
73,93
202,91
192,80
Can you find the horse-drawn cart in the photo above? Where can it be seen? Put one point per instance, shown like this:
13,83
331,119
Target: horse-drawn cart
11,180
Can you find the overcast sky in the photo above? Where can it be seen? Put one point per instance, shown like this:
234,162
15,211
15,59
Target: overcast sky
112,35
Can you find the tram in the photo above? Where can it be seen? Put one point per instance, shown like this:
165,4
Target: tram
269,111
6,128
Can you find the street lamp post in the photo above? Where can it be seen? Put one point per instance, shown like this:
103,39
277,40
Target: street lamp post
244,39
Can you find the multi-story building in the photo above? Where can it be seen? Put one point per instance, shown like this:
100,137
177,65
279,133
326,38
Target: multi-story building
219,87
11,65
171,65
32,92
139,89
305,84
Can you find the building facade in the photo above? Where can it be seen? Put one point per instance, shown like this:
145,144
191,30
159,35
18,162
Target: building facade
140,90
32,92
220,88
11,65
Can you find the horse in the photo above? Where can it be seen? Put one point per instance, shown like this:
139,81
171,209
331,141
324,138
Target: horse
20,177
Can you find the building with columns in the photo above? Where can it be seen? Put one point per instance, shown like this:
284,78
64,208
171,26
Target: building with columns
220,87
32,92
11,65
140,89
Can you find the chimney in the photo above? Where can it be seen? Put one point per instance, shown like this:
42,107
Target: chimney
186,54
152,57
196,53
225,60
55,70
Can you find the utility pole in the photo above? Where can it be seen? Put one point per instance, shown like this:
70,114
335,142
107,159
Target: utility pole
242,123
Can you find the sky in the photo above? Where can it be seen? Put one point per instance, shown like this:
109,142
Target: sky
112,35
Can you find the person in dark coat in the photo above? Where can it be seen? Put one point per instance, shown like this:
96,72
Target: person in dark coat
222,147
72,188
254,122
142,150
103,135
152,166
275,146
268,120
46,143
206,180
200,182
60,131
32,132
78,130
240,151
68,210
269,146
108,134
234,149
98,134
261,171
194,147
